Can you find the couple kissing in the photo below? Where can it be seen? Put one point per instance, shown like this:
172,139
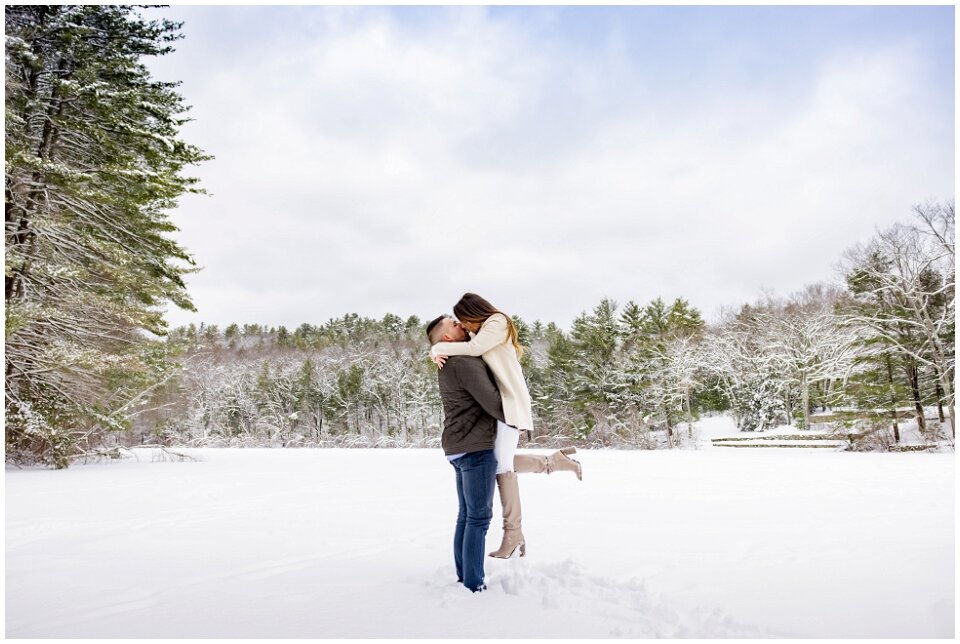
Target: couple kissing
486,404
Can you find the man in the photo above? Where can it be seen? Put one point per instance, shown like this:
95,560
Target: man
471,409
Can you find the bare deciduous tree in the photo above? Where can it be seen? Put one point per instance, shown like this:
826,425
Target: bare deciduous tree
904,284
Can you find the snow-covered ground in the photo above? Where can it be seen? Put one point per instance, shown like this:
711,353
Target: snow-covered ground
356,543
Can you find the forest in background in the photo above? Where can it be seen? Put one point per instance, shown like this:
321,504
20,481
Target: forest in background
876,349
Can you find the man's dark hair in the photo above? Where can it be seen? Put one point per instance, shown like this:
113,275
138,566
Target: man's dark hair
430,328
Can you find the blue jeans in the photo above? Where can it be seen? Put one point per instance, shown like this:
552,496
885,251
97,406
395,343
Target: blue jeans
476,479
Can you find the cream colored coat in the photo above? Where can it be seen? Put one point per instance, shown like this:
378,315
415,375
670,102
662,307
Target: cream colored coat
493,345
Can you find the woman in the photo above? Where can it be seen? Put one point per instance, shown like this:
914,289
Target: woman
495,340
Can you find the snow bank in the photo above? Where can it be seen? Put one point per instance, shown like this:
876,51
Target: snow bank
356,543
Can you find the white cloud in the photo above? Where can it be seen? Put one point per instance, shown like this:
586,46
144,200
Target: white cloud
367,166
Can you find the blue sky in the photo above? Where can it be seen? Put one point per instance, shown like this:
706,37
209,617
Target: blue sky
377,160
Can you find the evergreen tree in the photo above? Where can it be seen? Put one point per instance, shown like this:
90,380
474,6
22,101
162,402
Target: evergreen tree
231,332
631,323
392,323
309,399
684,320
93,162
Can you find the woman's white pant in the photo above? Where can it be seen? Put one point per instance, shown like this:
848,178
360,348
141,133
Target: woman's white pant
505,446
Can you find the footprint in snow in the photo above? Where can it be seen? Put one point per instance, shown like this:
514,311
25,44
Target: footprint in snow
629,607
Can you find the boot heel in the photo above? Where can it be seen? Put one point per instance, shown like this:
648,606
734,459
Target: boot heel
569,450
523,549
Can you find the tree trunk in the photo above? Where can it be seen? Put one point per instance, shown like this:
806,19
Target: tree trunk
788,406
666,415
893,400
913,375
947,385
940,354
37,199
940,399
805,400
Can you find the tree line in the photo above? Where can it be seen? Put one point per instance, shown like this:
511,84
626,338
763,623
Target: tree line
877,347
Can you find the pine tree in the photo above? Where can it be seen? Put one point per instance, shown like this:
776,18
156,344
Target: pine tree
93,162
662,358
631,324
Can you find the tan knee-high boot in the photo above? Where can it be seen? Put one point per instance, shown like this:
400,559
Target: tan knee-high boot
510,499
529,463
556,462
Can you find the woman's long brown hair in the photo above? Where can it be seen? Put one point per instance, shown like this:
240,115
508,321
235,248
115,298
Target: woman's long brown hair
473,308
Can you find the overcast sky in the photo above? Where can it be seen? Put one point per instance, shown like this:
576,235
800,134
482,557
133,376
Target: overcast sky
376,160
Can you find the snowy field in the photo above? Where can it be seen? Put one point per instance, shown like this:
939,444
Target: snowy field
356,543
